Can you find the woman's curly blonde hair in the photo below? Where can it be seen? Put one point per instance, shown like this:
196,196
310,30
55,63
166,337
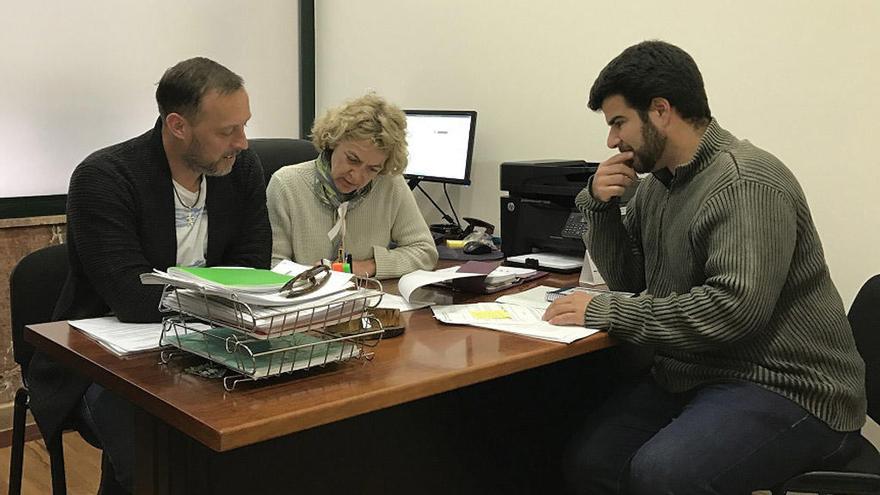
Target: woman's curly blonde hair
367,117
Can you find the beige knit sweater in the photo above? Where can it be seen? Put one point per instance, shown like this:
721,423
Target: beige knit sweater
735,280
389,213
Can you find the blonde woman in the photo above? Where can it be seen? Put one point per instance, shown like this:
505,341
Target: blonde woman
352,199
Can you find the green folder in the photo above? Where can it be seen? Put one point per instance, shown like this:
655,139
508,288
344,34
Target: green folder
234,278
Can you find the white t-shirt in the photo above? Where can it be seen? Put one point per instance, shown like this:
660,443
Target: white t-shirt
191,224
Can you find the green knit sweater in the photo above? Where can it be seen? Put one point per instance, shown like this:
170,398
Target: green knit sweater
388,214
735,281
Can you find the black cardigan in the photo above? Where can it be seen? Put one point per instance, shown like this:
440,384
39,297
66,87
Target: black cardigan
120,223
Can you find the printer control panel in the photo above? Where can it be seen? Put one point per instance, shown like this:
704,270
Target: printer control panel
575,226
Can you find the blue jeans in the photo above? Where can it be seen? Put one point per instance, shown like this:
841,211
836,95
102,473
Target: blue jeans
111,418
723,438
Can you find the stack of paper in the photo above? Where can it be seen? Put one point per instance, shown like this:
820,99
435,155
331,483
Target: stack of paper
520,320
506,276
264,322
408,283
213,282
249,299
124,339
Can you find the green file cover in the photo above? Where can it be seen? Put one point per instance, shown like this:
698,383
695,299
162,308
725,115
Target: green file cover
244,278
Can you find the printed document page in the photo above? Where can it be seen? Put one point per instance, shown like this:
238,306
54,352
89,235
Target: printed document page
420,278
393,301
536,297
510,318
123,338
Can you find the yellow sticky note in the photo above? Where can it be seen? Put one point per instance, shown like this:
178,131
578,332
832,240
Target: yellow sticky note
491,314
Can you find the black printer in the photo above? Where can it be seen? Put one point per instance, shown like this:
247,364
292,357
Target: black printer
538,213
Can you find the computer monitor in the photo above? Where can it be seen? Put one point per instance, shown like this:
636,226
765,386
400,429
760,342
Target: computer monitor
441,145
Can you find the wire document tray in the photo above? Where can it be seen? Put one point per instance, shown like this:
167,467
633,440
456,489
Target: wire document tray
257,342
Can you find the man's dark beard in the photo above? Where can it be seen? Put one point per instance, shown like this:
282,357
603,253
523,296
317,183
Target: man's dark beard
653,145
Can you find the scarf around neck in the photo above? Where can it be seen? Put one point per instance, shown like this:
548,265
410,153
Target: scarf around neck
327,193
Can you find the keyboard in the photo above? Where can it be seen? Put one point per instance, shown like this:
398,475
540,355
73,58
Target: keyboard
575,227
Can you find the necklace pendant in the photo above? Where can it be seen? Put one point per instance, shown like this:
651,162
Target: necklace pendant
190,218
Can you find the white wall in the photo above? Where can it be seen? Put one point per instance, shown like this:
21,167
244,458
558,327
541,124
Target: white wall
798,78
79,75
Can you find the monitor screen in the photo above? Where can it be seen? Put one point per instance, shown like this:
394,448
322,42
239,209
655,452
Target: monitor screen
441,144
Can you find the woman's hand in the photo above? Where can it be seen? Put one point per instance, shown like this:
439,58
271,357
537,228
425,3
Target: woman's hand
363,268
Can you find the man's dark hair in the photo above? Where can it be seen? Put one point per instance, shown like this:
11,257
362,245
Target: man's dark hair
653,69
182,87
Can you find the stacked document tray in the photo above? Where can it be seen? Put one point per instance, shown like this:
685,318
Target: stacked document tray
266,322
257,342
264,358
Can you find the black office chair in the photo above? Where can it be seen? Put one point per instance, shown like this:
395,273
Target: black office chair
34,287
861,473
275,153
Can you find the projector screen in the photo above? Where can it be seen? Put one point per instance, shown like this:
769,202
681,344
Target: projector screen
81,75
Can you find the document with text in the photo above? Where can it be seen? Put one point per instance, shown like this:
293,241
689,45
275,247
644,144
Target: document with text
123,339
510,318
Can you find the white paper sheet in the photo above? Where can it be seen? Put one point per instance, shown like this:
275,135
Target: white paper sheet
536,298
393,301
420,278
123,338
510,318
506,273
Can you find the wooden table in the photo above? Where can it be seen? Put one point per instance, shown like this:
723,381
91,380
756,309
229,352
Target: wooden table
428,402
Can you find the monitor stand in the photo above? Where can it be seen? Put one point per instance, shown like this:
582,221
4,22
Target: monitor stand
443,231
450,222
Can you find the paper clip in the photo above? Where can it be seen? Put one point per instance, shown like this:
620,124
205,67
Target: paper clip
308,281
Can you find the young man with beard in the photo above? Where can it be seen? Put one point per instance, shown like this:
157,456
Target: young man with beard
186,193
756,376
